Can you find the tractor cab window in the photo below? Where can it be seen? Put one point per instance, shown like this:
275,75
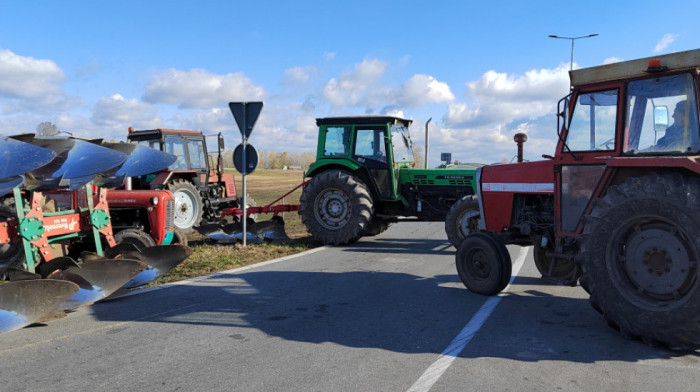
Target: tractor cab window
155,144
369,143
662,116
337,141
592,126
176,146
401,144
196,151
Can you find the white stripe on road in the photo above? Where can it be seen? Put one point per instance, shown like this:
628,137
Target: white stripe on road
436,370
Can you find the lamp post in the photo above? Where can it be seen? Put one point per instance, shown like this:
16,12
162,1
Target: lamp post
572,44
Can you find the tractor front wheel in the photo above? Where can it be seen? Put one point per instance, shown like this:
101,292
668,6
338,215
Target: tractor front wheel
462,219
188,205
12,254
136,237
640,255
336,207
483,263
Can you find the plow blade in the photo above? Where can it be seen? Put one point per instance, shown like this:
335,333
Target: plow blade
25,302
140,160
256,233
17,158
159,260
76,160
97,279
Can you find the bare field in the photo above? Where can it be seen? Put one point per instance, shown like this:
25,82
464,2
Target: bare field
264,186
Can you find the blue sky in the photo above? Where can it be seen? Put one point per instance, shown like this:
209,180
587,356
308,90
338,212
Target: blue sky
481,70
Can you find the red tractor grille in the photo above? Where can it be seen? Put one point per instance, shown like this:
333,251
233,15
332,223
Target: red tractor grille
169,216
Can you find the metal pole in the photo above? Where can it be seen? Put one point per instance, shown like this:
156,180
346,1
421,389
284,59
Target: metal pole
425,164
572,45
245,198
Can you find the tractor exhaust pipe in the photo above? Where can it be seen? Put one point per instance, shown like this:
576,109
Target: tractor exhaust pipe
520,138
425,163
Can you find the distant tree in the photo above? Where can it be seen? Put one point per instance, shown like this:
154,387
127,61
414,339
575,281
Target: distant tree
47,129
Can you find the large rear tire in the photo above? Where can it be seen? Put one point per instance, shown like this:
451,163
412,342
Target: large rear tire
189,206
462,219
483,263
639,257
336,207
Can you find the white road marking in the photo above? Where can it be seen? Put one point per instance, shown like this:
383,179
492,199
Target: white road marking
438,368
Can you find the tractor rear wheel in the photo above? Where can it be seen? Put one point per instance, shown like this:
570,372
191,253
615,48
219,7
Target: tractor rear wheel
462,219
483,263
188,205
11,255
336,207
640,255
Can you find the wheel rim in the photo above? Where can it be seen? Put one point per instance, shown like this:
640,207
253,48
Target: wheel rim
186,209
466,223
656,263
332,209
477,264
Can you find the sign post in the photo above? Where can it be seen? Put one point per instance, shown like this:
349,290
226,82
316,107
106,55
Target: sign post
245,114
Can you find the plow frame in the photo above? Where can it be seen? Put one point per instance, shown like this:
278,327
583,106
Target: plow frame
271,208
37,230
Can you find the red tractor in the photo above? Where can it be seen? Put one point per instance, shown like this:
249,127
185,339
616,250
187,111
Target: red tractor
615,208
201,191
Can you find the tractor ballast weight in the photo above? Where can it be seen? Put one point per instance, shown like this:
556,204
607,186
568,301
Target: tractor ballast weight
364,178
615,208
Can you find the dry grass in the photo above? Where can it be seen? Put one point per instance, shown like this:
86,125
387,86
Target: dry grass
264,186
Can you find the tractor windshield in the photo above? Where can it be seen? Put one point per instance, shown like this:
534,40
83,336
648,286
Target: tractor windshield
662,116
401,143
593,122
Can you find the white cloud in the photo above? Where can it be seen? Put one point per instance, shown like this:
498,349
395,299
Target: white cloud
27,77
500,98
362,87
421,89
198,88
665,41
298,75
329,56
355,87
120,113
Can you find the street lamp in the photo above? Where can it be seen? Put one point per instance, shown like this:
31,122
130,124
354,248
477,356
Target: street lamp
572,44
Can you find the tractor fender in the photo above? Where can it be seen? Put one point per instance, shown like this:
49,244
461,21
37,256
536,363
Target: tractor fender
328,164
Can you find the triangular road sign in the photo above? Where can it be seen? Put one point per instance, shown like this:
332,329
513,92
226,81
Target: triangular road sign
246,114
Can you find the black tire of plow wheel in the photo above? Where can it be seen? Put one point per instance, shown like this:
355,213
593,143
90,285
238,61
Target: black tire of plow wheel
189,206
11,255
376,226
462,219
136,237
336,207
639,257
483,263
561,270
179,238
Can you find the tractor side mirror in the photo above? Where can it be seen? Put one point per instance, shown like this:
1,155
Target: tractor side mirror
660,118
221,142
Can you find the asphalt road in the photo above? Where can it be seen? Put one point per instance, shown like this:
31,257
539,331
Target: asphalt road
386,314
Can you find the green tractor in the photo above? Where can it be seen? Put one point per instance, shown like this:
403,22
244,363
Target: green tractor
365,178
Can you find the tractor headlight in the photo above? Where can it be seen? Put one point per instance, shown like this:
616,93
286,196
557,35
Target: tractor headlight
154,200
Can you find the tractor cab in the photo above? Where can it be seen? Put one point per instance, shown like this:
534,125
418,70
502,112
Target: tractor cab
379,144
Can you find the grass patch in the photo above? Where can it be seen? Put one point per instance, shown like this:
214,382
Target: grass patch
264,186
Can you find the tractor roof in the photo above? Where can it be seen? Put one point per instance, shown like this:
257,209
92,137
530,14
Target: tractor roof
635,68
162,131
363,120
